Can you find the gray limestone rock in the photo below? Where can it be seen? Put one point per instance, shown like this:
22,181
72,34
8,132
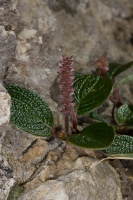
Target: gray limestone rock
8,22
6,177
45,31
5,104
78,182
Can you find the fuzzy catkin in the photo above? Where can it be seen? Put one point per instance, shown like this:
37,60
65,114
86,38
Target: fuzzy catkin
66,78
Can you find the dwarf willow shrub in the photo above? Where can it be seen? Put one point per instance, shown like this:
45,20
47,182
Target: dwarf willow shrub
80,95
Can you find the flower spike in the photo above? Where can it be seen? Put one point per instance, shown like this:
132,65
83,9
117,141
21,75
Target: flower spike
66,77
102,65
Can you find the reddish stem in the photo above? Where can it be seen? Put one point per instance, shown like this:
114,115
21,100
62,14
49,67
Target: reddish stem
75,122
66,124
113,114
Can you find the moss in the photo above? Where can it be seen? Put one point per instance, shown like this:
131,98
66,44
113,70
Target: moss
15,192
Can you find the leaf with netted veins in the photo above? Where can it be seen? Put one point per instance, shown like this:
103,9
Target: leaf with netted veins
124,80
125,114
90,92
29,112
122,144
95,136
115,68
98,117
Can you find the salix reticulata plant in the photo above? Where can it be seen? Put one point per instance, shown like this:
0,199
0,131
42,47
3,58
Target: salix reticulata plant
80,95
66,77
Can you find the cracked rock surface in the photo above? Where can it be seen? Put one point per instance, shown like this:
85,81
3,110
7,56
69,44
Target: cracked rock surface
8,22
71,178
45,30
66,174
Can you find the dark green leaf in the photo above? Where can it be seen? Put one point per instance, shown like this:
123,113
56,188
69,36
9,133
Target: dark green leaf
122,144
94,136
29,112
90,92
125,114
115,68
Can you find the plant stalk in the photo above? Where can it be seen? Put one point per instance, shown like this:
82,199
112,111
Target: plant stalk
74,122
66,124
113,114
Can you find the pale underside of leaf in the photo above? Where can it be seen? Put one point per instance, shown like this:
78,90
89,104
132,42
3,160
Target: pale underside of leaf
128,156
125,114
29,112
98,117
124,80
122,144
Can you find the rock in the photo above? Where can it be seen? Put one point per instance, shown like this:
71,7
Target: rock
6,178
79,182
46,30
5,104
44,192
8,21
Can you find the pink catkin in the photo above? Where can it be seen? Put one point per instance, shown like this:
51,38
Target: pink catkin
102,65
66,77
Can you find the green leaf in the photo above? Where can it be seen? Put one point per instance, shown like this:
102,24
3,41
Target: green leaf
122,144
29,112
124,80
115,68
94,115
94,136
124,114
90,92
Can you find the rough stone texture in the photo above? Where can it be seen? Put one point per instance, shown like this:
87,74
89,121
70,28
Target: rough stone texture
7,36
26,153
67,176
47,29
5,102
6,178
8,22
